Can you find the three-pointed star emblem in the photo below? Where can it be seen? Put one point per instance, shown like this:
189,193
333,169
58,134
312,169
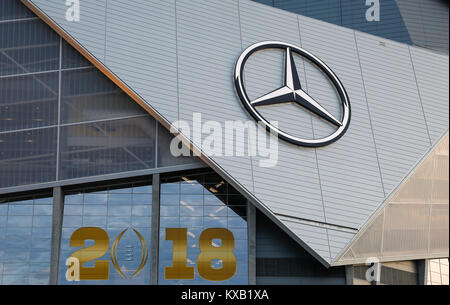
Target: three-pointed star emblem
292,92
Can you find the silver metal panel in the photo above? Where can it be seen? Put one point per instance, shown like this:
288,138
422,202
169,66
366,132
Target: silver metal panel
209,43
89,31
151,68
296,170
338,241
349,171
314,237
397,118
431,72
264,70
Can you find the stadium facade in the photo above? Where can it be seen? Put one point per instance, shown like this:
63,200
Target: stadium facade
87,163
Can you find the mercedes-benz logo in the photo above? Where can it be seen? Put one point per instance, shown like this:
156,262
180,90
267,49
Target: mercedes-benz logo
292,92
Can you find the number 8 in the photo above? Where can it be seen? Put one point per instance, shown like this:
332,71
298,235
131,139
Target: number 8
208,252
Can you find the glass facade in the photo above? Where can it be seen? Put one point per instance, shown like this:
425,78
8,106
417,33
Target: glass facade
28,157
350,14
192,201
61,118
106,147
29,101
112,209
197,203
25,238
12,9
27,46
87,95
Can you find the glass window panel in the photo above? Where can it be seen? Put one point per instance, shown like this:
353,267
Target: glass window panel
212,200
142,210
141,198
28,101
116,213
118,198
88,95
42,221
190,210
107,147
94,221
73,199
27,157
71,58
170,199
48,200
186,202
28,46
72,221
96,198
72,210
43,210
3,209
13,9
140,222
93,210
21,210
170,187
215,211
191,200
25,243
169,210
169,222
191,222
119,210
145,189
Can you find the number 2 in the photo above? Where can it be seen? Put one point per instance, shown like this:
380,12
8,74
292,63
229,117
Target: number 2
101,269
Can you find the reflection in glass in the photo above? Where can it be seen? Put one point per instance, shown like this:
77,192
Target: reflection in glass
28,101
25,238
113,209
87,95
13,9
107,147
27,157
71,58
118,135
28,46
198,202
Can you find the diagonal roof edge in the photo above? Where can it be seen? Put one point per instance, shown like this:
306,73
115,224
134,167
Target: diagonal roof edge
154,113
